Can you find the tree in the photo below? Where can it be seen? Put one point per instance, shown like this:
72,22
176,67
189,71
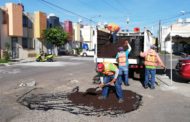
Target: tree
56,36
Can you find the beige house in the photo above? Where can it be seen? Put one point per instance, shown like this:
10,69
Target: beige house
21,31
40,24
11,29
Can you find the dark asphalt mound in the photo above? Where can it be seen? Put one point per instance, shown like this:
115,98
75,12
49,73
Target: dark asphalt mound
86,103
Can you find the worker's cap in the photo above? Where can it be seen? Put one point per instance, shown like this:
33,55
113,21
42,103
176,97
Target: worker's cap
120,48
100,67
153,47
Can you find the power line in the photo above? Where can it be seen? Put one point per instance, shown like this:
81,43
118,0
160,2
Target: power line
167,20
108,4
52,4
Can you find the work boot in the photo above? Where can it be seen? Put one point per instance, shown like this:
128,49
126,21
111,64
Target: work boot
146,87
152,87
101,97
120,100
127,84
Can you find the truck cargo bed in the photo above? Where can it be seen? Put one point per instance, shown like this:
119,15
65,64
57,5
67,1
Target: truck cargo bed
107,49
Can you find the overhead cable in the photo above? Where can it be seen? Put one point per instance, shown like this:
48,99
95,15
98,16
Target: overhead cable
52,4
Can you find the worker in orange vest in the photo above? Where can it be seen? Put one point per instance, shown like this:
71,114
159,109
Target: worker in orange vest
122,59
113,28
152,60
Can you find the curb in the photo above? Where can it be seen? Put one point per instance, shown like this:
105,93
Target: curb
163,79
12,63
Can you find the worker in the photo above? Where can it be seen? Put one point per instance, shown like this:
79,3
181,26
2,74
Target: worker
152,60
113,28
109,75
122,58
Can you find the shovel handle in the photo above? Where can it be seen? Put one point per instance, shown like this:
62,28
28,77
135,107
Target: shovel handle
165,69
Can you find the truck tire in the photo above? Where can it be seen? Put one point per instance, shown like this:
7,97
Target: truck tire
84,54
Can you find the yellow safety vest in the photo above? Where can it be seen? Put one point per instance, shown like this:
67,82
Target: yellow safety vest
151,59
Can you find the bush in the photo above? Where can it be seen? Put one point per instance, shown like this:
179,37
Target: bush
3,61
6,55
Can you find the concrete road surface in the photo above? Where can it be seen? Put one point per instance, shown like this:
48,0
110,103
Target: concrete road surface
164,104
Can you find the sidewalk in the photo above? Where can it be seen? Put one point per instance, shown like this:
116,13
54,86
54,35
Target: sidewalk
15,61
165,84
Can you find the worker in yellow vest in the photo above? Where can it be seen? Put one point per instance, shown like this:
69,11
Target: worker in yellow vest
109,77
152,60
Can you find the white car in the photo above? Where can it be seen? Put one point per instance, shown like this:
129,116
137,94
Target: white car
87,52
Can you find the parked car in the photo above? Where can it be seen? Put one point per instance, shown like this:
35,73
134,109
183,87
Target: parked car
87,52
183,67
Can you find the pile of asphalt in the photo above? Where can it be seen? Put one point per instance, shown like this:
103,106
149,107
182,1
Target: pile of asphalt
86,103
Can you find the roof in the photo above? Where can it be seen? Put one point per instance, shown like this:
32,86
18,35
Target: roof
184,34
179,35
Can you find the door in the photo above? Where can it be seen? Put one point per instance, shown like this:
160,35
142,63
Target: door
15,49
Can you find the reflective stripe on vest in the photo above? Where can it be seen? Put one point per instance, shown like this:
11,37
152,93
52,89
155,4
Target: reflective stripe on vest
122,58
151,59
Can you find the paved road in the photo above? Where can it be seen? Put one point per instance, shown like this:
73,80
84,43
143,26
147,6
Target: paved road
162,104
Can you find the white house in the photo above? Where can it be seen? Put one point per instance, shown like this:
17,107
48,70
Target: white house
88,35
176,37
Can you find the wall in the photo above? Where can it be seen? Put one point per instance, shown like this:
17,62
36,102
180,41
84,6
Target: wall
76,32
15,19
178,27
53,21
1,21
40,24
89,34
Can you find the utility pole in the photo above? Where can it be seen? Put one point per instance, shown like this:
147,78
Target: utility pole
160,35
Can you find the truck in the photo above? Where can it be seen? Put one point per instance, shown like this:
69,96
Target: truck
106,49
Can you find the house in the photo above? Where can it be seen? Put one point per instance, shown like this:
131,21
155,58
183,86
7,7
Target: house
21,31
88,35
176,37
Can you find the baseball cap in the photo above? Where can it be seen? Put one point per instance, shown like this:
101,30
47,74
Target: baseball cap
153,47
100,67
120,48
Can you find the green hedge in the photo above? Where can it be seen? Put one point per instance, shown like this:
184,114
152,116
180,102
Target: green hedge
3,61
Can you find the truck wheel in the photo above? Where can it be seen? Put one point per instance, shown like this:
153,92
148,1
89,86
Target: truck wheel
37,60
50,60
84,54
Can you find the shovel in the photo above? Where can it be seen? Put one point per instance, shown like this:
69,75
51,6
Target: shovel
92,91
158,82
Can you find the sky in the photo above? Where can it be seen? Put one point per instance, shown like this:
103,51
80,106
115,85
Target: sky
139,13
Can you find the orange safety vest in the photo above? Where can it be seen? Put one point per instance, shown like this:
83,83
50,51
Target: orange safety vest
122,59
151,59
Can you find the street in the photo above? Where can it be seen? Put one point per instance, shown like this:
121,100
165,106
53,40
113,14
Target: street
164,104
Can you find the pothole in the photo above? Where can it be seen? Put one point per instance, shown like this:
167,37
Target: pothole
85,103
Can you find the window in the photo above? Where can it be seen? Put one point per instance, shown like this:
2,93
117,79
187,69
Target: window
30,24
27,43
24,43
25,21
30,43
5,18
